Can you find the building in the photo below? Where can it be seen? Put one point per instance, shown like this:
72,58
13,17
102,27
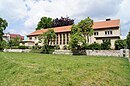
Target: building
8,36
104,30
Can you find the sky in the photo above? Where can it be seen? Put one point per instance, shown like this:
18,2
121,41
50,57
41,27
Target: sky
23,15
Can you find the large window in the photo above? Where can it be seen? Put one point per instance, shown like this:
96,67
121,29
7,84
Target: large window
63,38
60,38
108,32
67,38
57,39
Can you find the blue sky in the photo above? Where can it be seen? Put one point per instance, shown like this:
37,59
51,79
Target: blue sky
23,15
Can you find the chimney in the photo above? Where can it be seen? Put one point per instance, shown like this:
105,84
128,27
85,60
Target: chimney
108,19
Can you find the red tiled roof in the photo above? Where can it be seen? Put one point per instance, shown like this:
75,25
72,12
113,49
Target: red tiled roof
106,24
16,35
97,25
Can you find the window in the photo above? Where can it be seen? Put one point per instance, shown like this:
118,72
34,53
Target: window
108,32
64,38
95,33
106,40
30,38
60,38
67,38
57,39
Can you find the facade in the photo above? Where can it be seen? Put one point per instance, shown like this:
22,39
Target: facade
8,36
104,30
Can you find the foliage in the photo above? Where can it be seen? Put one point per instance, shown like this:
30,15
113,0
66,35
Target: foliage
48,49
45,22
57,47
128,40
76,38
49,36
62,22
23,69
94,46
106,45
3,25
13,42
23,47
3,44
86,27
120,44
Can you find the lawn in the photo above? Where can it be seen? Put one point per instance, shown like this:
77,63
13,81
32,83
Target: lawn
28,69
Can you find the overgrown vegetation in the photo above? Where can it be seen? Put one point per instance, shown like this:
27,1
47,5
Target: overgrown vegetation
26,69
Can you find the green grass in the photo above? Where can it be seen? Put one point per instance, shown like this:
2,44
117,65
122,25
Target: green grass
27,69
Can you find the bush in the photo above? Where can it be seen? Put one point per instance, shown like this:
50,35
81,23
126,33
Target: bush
23,47
106,45
57,47
120,44
3,44
94,46
65,47
48,49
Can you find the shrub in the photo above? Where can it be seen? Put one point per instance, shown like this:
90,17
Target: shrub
23,47
65,47
48,49
106,45
57,47
120,44
3,44
94,46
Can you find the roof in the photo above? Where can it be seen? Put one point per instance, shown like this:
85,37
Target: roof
56,29
16,35
106,24
96,25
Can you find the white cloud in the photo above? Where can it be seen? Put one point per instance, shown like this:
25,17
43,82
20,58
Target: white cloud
30,11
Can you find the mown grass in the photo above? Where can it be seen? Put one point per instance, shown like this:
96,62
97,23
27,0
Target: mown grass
27,69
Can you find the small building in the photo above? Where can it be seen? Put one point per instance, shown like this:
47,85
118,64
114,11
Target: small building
8,36
103,30
27,43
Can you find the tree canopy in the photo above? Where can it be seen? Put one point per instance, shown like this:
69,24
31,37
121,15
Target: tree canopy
3,25
49,36
86,27
128,40
76,38
47,22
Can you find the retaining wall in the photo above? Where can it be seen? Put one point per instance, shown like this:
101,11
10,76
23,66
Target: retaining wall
17,50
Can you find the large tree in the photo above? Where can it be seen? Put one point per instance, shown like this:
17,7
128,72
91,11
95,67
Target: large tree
49,36
128,40
86,27
76,38
45,22
3,25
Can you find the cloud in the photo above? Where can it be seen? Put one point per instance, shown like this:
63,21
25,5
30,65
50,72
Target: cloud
30,11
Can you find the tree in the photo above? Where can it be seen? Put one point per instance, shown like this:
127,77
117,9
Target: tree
76,38
86,27
3,25
45,22
63,21
120,44
49,36
128,40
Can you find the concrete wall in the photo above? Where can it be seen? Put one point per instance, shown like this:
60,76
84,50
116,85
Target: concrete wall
119,53
17,50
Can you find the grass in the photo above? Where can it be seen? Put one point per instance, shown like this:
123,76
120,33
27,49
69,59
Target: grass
27,69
